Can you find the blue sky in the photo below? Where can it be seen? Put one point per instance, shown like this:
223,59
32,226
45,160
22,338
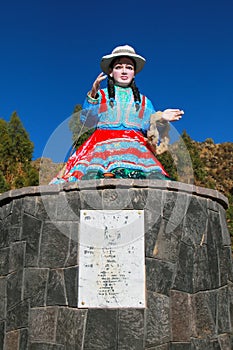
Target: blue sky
51,49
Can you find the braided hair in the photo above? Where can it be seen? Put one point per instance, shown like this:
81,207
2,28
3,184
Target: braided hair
111,90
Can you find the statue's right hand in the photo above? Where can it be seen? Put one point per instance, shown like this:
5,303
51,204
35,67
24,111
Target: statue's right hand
96,84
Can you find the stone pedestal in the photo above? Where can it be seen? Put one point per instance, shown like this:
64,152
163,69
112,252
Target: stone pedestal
188,263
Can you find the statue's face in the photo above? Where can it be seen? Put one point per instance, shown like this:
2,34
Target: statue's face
123,71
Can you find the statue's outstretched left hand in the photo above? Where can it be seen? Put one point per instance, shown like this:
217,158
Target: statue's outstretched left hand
172,114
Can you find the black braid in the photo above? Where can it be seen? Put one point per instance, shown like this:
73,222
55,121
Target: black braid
111,90
136,94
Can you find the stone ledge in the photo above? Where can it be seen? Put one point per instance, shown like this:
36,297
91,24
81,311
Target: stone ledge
188,268
116,183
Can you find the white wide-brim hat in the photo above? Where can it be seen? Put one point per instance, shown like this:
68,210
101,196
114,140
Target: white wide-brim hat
119,51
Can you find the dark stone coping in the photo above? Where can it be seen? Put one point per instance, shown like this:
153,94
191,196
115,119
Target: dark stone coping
102,184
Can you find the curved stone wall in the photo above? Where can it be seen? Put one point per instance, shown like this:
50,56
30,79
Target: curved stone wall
188,262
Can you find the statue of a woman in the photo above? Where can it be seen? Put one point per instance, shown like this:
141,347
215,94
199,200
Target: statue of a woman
125,139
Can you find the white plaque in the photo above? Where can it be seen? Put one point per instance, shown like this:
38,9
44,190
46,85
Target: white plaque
111,259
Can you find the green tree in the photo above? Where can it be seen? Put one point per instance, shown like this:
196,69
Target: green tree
178,161
4,186
33,177
21,146
197,163
168,163
16,152
5,147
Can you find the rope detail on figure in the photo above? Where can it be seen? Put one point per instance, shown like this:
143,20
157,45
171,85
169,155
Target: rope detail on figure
158,133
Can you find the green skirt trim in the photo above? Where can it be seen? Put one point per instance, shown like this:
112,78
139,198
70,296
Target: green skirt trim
122,173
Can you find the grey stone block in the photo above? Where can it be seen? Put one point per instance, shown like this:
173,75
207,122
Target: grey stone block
23,339
68,206
159,276
46,207
184,274
29,205
213,260
153,206
131,323
4,261
101,329
17,317
8,232
225,265
42,324
2,334
175,231
56,288
12,340
201,280
116,199
195,221
138,198
204,306
14,233
31,231
151,236
91,199
174,206
74,202
223,311
14,288
16,214
71,285
6,208
226,239
54,246
181,316
230,296
35,285
167,242
17,253
225,341
72,257
158,320
214,226
4,235
211,205
3,297
70,328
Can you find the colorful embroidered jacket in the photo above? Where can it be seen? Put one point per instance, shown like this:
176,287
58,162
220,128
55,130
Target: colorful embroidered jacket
98,112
